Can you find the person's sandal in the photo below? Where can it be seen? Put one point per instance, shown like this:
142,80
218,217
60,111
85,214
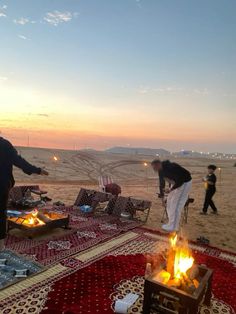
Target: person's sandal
203,240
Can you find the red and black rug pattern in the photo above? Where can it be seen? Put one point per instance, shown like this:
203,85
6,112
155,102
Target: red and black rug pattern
86,232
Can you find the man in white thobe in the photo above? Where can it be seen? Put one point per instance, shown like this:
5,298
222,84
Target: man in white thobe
181,182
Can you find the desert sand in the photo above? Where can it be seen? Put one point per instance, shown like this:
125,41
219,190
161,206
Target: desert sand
76,169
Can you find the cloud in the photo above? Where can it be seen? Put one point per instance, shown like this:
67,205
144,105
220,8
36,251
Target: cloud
203,91
21,21
56,17
43,115
23,37
3,79
173,89
3,11
165,89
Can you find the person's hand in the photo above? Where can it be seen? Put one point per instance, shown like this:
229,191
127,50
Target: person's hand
44,172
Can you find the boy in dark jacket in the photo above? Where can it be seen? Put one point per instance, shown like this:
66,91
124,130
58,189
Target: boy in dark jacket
9,158
210,186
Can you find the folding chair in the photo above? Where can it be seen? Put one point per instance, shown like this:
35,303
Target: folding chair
92,198
103,181
137,209
21,196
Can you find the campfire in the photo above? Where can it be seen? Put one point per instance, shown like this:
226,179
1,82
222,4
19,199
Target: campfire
177,268
33,220
38,220
174,282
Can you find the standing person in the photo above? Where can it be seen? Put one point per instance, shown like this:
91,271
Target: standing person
181,182
210,185
9,158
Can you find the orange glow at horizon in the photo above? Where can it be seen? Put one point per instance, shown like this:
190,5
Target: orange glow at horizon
62,122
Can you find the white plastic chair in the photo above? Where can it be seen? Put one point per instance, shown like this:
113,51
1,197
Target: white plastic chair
103,181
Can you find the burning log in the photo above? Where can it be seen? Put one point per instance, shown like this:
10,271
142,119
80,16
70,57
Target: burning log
196,283
157,261
163,276
171,256
175,283
193,272
44,217
177,269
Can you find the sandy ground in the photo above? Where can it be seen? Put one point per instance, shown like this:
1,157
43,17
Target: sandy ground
74,170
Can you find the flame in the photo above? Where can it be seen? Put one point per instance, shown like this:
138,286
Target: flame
182,259
179,261
173,241
33,220
55,158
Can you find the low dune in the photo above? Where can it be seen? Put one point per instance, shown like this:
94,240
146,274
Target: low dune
76,169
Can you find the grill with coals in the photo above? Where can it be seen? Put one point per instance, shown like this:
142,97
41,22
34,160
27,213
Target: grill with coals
35,222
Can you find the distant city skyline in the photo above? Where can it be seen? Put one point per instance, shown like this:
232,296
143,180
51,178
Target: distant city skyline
144,73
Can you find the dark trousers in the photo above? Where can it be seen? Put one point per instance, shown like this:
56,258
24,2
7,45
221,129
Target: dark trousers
208,200
162,186
3,213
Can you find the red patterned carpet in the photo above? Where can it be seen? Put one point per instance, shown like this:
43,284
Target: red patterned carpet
90,282
86,232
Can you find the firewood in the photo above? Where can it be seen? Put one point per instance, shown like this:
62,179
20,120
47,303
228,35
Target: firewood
174,283
189,288
193,272
196,283
43,217
162,276
170,262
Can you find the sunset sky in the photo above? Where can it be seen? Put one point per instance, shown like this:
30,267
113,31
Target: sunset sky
100,73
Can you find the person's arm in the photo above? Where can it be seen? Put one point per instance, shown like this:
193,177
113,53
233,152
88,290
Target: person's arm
21,163
177,184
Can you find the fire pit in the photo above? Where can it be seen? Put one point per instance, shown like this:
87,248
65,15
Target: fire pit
35,222
174,283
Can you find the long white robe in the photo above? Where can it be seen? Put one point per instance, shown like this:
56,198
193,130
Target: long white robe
175,203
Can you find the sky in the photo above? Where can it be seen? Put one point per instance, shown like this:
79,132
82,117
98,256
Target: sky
102,73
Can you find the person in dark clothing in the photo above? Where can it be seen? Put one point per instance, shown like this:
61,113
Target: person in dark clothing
210,186
9,158
180,181
162,185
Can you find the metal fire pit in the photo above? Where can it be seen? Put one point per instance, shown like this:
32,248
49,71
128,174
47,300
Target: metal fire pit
31,230
160,298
